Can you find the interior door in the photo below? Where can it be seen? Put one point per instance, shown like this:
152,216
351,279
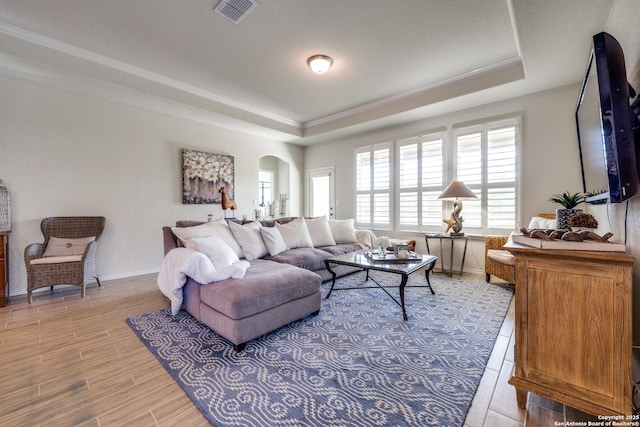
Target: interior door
321,191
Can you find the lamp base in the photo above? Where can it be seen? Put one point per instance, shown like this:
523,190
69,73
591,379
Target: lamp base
456,234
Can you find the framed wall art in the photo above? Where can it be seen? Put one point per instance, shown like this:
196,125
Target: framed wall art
205,176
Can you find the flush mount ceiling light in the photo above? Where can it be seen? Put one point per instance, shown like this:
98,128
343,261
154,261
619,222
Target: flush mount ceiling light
319,64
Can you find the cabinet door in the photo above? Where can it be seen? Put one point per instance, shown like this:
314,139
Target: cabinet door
577,323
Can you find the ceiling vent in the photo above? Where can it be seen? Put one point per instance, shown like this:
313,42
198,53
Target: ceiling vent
235,10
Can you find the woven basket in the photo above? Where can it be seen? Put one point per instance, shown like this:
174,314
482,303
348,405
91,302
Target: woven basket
5,208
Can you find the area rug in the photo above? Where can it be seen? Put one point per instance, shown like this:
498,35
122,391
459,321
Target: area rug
355,364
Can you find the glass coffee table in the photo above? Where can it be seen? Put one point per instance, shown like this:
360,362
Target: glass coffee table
367,260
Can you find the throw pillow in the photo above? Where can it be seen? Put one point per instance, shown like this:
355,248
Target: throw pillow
217,227
343,230
295,234
58,246
273,240
220,254
250,239
320,231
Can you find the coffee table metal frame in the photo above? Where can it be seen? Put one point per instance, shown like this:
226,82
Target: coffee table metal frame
360,260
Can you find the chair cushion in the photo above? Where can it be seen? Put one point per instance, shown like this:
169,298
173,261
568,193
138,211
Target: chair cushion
501,256
543,223
56,259
58,246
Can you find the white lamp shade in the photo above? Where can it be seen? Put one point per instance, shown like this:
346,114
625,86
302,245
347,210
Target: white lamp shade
457,190
320,64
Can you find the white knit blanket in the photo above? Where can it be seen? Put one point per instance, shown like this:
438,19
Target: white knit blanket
182,262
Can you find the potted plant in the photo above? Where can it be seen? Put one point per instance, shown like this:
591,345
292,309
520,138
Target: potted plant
569,201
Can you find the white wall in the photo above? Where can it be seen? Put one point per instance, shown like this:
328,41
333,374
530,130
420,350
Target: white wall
550,155
67,153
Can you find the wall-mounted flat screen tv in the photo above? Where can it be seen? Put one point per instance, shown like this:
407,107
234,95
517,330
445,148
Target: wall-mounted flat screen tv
604,122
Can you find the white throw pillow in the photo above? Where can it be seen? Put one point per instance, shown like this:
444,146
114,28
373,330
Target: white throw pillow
320,231
220,254
343,230
250,239
542,223
58,246
217,227
273,240
295,234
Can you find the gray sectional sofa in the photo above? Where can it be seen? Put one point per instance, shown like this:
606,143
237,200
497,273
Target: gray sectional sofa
275,290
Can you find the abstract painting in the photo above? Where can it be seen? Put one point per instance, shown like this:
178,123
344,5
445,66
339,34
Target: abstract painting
203,175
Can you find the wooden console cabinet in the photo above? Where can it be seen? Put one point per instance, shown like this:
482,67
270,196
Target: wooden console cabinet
573,328
4,268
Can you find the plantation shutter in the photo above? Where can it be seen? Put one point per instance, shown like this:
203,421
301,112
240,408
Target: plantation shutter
469,171
501,177
420,166
373,186
487,163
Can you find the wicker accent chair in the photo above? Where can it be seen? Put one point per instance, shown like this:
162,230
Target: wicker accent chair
500,267
498,262
77,269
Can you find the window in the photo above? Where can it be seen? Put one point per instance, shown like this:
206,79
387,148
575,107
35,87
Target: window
265,187
373,186
483,156
486,161
420,181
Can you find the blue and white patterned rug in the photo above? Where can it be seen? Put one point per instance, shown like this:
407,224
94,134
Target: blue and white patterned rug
355,364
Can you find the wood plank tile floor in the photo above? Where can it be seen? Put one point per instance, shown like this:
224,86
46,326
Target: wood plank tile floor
69,361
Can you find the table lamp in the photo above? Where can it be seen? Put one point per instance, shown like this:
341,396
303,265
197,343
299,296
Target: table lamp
455,191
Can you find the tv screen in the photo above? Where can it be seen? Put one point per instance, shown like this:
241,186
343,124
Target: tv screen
603,118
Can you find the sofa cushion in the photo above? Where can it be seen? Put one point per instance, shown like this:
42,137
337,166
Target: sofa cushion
217,227
220,254
264,286
295,234
501,256
273,240
320,232
343,230
250,239
307,258
343,248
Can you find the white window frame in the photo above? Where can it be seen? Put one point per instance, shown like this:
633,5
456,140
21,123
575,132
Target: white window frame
420,188
373,192
482,189
450,172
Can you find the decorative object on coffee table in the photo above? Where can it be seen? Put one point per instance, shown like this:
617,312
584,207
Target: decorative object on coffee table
456,191
569,201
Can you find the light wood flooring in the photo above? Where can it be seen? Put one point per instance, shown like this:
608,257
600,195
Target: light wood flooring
69,361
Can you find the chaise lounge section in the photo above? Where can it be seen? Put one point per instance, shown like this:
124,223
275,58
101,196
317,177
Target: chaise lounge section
275,290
